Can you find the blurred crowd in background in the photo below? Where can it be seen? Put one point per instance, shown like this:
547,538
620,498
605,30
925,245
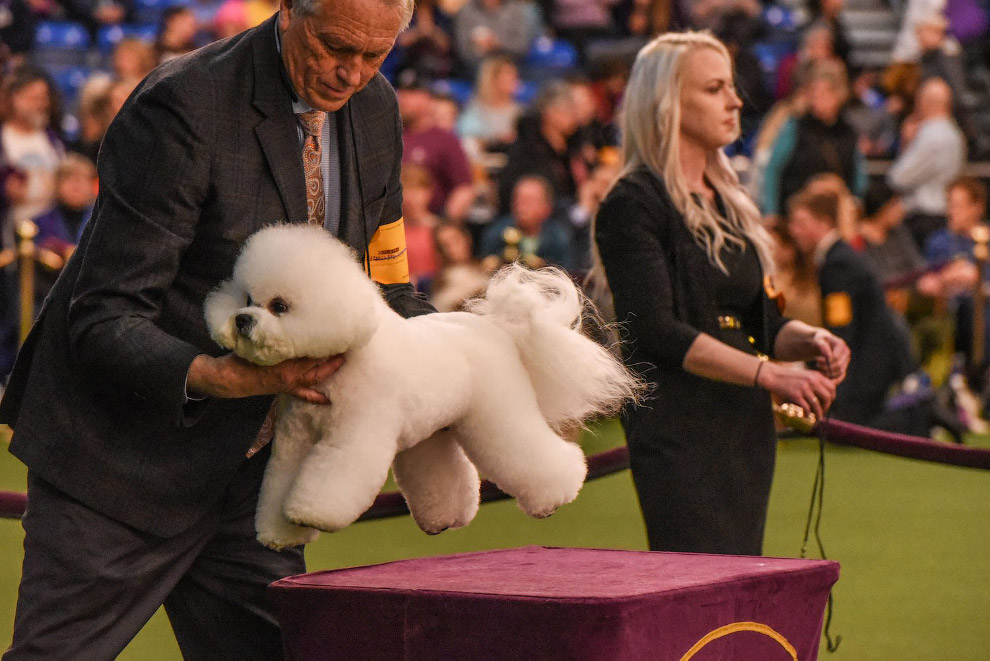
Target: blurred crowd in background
869,117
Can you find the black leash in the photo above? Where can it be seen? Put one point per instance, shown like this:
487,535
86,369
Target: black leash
815,512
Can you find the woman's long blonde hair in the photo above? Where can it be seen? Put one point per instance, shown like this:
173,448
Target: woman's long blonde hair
651,119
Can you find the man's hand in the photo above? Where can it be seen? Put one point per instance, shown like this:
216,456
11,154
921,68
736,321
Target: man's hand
230,377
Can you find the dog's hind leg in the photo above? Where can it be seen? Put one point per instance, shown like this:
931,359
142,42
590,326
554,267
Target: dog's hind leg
516,449
342,474
439,483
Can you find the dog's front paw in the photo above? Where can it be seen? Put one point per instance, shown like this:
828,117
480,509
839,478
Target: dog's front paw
286,538
301,514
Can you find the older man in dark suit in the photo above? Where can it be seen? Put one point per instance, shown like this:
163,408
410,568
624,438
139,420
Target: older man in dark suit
134,425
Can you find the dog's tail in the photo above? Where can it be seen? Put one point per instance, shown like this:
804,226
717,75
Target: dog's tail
574,377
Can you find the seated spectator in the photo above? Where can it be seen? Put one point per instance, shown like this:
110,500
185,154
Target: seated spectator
419,221
489,119
951,251
17,32
739,32
60,227
30,151
176,33
874,115
530,233
829,13
781,114
590,196
446,112
884,240
460,276
942,57
853,307
932,154
93,111
133,59
484,27
542,148
436,149
30,147
95,14
592,134
119,91
581,21
817,141
647,19
816,46
230,19
609,78
427,44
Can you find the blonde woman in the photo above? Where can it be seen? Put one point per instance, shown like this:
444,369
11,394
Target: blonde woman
490,116
685,255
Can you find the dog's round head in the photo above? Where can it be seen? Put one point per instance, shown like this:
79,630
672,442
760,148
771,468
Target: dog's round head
296,292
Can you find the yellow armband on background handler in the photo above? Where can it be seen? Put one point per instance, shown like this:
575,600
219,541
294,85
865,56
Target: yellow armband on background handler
386,260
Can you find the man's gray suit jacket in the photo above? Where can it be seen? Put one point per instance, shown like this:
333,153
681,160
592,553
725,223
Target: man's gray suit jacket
203,154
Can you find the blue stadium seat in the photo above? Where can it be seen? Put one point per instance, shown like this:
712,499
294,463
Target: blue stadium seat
460,90
527,91
150,11
60,36
60,44
110,35
770,53
778,18
552,53
69,80
548,58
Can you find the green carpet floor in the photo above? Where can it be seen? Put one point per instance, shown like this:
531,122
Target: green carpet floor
913,539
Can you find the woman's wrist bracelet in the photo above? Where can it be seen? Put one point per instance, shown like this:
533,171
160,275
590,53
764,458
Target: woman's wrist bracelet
756,377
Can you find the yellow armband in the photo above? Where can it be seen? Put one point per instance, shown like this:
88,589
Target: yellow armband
386,259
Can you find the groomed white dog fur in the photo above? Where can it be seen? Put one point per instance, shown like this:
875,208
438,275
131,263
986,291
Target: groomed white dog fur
434,396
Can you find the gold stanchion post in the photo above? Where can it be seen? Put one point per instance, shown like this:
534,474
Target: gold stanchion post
26,231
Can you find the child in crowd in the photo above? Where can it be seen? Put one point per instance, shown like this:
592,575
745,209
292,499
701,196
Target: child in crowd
460,276
417,191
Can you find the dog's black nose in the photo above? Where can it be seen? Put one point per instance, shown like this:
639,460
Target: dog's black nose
244,323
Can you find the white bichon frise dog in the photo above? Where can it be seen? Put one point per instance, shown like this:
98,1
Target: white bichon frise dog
434,396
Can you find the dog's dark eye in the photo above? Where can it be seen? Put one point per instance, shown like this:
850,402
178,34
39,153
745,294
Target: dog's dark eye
278,306
250,303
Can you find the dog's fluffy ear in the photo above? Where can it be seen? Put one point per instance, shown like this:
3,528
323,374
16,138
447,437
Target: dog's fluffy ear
220,308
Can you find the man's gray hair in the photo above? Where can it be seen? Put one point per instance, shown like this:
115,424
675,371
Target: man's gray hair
308,7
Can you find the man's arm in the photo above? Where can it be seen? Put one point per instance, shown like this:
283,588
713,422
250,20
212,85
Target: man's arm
154,174
386,256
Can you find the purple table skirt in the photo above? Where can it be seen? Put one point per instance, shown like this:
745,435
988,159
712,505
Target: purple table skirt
552,603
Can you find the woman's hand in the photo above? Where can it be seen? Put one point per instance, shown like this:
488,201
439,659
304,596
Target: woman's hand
809,389
831,355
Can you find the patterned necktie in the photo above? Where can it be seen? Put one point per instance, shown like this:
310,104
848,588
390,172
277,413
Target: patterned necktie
312,125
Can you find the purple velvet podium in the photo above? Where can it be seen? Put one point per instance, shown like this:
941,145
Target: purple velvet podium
553,603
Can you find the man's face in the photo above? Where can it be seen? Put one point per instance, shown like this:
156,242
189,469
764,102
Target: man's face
806,230
333,53
530,205
76,190
31,104
963,212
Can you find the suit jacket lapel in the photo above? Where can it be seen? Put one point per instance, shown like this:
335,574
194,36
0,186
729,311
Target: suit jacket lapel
277,132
